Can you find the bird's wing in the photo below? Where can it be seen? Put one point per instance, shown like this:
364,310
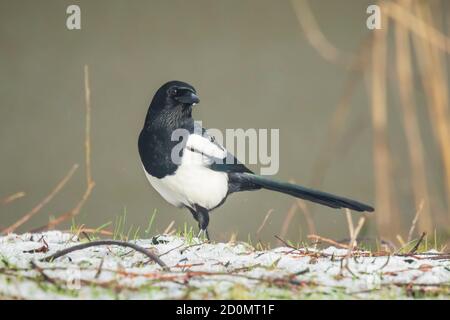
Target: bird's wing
213,154
205,146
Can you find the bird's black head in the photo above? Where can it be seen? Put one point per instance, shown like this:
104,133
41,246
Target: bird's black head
174,96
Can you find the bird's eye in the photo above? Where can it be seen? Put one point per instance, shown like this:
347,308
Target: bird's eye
173,92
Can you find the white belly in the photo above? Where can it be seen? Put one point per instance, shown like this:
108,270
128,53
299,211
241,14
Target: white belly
192,184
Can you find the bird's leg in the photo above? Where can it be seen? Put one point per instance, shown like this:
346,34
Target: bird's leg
203,231
200,233
194,213
203,220
201,215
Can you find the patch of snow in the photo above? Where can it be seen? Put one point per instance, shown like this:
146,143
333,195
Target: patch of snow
199,270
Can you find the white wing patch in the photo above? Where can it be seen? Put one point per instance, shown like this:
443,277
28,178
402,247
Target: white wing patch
194,183
205,146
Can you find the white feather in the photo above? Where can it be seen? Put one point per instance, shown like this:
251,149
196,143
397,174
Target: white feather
194,183
205,146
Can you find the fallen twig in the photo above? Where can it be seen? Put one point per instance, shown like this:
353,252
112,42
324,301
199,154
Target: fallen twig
41,249
193,245
82,246
93,231
386,263
44,275
99,269
173,249
288,245
326,240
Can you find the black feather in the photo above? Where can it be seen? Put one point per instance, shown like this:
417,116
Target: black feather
246,181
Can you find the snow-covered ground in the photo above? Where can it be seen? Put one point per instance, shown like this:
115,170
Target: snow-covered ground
217,270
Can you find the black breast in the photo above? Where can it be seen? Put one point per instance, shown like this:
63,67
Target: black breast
155,148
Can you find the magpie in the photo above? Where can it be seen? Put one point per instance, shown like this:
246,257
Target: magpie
204,174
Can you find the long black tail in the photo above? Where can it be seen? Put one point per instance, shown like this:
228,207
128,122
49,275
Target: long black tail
250,181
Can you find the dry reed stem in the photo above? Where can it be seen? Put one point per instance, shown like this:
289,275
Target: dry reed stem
356,232
352,244
416,218
351,228
11,198
70,214
400,240
308,216
266,218
433,68
169,227
411,124
337,124
41,204
421,28
90,184
287,220
233,237
314,35
87,140
300,204
382,162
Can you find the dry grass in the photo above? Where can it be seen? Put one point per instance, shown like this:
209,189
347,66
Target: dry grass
35,210
434,72
413,31
416,37
384,197
89,181
13,197
261,227
314,35
67,216
411,125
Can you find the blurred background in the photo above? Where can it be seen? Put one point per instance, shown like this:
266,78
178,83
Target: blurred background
362,113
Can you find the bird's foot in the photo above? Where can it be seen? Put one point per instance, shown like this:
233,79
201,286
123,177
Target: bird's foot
203,233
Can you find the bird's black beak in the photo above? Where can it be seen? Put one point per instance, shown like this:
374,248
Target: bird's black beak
188,98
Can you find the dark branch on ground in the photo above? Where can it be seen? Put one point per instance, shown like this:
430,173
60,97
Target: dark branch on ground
82,246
